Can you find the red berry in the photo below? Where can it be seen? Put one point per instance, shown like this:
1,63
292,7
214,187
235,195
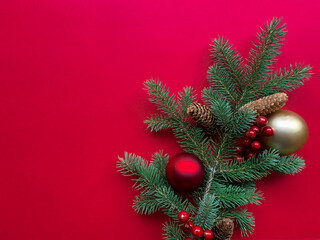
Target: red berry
255,128
255,145
268,131
197,231
250,154
188,226
239,150
251,134
238,158
183,216
208,234
246,142
262,121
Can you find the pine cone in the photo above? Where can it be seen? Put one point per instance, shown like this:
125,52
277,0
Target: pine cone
268,104
202,115
223,230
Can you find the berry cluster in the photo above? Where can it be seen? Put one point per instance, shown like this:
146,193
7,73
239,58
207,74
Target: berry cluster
249,144
196,231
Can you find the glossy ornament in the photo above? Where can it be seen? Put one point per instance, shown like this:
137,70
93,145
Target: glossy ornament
262,121
197,231
238,158
188,226
251,134
255,145
250,154
267,131
245,142
239,150
290,132
183,216
185,172
255,128
208,234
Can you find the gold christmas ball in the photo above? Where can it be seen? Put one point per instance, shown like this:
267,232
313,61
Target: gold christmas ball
290,132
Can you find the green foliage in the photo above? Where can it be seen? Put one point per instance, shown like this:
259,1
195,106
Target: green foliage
264,53
289,164
222,83
194,140
283,80
160,95
244,219
208,209
160,161
252,169
155,192
173,231
229,186
158,122
228,59
186,98
232,196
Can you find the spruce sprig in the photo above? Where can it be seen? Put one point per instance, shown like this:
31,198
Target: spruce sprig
227,58
229,186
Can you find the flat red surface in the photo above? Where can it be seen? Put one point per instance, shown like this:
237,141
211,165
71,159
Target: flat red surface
71,100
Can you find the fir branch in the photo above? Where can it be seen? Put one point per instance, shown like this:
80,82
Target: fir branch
160,161
131,165
222,83
232,196
289,164
171,203
153,184
284,80
145,204
160,95
243,218
241,122
263,54
173,231
158,122
254,168
208,209
234,123
227,58
186,98
193,139
228,184
222,112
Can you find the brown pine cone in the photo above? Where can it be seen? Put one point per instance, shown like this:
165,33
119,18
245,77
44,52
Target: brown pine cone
223,230
202,115
268,104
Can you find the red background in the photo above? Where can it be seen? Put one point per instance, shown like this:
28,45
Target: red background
71,100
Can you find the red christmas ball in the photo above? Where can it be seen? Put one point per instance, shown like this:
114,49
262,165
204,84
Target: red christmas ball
255,145
185,172
188,226
267,131
251,134
246,142
250,154
238,158
239,150
208,234
183,216
197,231
255,128
262,121
189,238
